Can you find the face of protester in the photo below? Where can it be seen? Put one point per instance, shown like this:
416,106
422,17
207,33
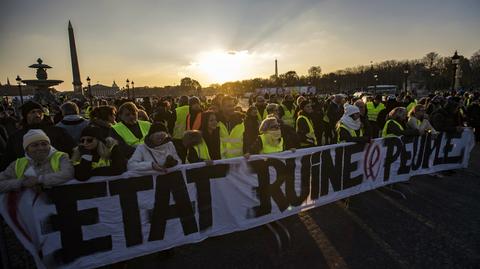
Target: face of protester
129,117
212,122
308,108
111,118
35,116
228,108
88,142
260,102
157,138
38,150
355,116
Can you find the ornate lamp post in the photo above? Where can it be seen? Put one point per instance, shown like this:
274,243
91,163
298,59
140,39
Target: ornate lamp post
375,79
128,89
455,62
19,82
406,72
133,90
90,95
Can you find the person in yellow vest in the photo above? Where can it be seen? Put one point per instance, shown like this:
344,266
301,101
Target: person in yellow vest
130,130
211,134
373,109
287,110
231,129
396,124
304,125
417,119
261,106
197,149
410,103
42,166
349,127
270,139
97,155
180,118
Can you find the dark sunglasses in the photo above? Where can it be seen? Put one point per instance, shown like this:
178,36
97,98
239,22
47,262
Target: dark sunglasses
86,140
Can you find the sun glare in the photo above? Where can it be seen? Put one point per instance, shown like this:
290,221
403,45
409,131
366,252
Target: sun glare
221,66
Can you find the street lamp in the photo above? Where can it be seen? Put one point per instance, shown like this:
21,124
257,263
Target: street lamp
128,89
90,95
375,78
19,82
406,72
455,62
133,90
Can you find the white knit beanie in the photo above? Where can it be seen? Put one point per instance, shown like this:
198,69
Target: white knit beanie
350,110
34,135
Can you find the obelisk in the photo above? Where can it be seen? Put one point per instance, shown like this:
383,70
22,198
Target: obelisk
77,82
276,69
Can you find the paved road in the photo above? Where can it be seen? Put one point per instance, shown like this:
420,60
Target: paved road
437,226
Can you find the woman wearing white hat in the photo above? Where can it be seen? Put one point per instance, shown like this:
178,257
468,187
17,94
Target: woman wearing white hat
349,127
42,165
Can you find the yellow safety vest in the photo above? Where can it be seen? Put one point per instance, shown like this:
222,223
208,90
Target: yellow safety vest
352,132
202,151
411,106
22,163
88,110
101,163
372,111
127,135
180,122
260,117
288,118
311,131
267,148
384,131
231,144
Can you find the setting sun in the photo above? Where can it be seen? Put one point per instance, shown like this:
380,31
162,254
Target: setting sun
221,66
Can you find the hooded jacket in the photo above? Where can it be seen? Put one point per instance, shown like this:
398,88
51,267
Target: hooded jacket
144,156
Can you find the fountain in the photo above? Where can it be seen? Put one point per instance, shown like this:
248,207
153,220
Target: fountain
42,85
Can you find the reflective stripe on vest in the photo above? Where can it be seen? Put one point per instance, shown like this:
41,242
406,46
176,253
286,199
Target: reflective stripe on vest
352,132
22,163
260,117
196,124
231,144
372,111
267,148
288,116
411,106
202,151
384,131
127,135
180,122
311,131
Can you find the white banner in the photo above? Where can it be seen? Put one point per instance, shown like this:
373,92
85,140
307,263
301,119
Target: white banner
288,90
111,219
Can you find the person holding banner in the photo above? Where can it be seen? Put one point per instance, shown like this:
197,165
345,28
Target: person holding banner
270,139
158,152
130,129
286,110
304,125
261,106
418,120
349,127
42,165
231,129
197,149
211,134
97,155
396,124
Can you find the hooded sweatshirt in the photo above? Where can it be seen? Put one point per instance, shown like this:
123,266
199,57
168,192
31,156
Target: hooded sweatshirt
144,156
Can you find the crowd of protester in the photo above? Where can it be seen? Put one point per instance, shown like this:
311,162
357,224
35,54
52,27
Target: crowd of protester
43,146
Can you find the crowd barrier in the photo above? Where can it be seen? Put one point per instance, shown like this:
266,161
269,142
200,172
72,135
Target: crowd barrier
112,219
